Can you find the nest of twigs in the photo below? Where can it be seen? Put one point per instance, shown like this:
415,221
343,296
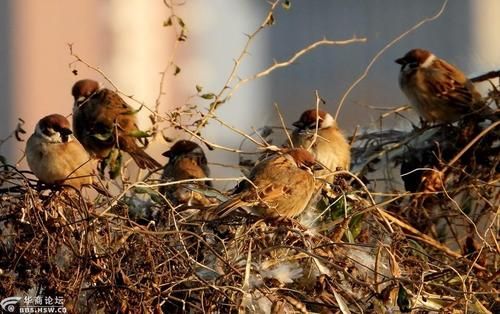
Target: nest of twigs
430,247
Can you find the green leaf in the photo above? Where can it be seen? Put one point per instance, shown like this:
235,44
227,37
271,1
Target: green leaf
102,136
139,134
208,96
143,190
350,237
114,163
355,225
403,301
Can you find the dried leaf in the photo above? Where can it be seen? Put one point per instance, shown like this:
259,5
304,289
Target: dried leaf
177,70
270,19
168,22
287,4
341,302
180,21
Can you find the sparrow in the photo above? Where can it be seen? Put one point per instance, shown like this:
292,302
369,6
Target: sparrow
55,157
439,91
102,120
281,185
186,161
330,148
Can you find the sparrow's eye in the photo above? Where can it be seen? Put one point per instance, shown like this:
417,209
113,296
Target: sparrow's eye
48,131
312,126
413,65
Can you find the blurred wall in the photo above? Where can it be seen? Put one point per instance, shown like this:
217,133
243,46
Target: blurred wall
127,41
465,34
39,58
5,70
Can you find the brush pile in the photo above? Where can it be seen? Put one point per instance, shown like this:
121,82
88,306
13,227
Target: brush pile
364,246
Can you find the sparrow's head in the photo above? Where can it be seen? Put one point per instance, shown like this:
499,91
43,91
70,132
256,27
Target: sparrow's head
414,59
54,128
83,89
184,147
303,158
309,118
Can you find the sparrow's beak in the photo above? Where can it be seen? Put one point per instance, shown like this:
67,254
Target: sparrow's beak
65,131
298,124
400,61
167,154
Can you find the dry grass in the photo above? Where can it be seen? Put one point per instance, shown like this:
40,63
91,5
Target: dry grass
366,245
434,247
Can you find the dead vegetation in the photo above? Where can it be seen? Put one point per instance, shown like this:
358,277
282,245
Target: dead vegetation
367,246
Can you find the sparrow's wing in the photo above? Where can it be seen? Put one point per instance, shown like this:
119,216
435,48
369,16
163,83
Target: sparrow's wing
93,124
447,82
113,101
269,184
124,127
187,168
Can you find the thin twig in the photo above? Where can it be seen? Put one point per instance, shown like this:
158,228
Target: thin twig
383,50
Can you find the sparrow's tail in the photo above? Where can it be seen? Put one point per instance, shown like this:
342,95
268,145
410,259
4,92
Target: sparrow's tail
143,160
228,206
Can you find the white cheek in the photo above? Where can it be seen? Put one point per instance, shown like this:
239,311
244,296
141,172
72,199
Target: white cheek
55,137
428,61
328,121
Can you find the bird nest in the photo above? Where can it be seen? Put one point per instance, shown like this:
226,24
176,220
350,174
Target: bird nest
365,245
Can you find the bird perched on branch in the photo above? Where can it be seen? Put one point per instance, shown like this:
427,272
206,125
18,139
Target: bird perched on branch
55,157
102,121
439,91
186,161
329,146
279,186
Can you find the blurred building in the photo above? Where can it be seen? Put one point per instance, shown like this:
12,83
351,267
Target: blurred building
127,41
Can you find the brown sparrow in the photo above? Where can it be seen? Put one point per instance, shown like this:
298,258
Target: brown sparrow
436,89
55,157
281,186
330,148
186,161
102,120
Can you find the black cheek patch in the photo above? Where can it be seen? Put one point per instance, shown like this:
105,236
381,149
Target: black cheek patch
312,126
